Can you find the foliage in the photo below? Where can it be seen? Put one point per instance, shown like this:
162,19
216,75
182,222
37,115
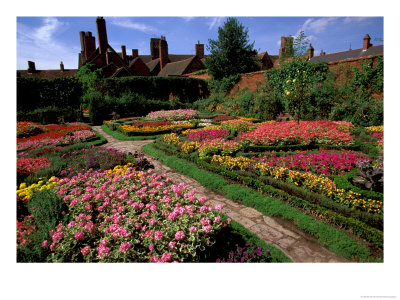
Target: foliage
88,75
231,53
223,85
35,93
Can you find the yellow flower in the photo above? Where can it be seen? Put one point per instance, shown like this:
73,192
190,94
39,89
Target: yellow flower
288,93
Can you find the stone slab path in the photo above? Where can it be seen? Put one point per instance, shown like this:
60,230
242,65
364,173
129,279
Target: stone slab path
296,244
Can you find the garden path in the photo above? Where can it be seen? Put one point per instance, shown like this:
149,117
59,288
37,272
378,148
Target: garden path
296,244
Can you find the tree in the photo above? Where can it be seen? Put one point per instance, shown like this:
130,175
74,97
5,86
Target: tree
300,44
231,53
87,75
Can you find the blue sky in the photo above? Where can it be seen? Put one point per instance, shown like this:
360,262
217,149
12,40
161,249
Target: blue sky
49,40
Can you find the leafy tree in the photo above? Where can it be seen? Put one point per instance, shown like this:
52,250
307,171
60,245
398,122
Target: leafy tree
231,53
87,75
300,44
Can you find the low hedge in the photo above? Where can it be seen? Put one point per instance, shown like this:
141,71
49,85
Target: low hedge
336,240
362,224
50,115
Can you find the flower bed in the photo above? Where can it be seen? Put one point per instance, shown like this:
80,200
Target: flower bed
324,162
173,115
138,130
286,133
238,125
27,166
128,215
309,181
26,129
201,135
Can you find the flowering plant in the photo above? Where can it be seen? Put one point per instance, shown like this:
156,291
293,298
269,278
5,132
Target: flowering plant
173,115
238,125
201,135
27,165
305,132
126,215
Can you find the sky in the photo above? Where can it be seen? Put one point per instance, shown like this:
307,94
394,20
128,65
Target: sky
47,40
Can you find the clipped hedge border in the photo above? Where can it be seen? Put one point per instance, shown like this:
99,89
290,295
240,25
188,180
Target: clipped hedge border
336,240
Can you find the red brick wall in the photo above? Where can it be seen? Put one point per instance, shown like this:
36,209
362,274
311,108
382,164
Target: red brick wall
251,81
199,76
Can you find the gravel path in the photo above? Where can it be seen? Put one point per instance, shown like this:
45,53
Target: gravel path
294,243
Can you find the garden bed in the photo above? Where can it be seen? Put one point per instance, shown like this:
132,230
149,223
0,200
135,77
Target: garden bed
356,210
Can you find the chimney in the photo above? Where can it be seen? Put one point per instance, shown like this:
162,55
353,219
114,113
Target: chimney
31,67
286,47
367,40
310,52
108,56
102,34
123,53
89,44
82,38
135,53
154,43
199,50
163,52
322,53
62,67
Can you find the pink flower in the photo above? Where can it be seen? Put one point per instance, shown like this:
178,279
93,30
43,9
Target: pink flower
219,206
179,235
217,219
151,247
71,224
79,235
229,220
103,243
171,245
152,221
158,235
44,244
125,247
206,229
193,229
166,257
85,250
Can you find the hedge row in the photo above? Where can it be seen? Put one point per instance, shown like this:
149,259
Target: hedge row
153,87
33,93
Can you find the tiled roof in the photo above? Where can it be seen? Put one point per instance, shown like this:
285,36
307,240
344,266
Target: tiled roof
350,54
176,68
48,74
152,64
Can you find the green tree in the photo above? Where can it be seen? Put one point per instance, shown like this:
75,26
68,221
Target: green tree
231,53
300,43
87,75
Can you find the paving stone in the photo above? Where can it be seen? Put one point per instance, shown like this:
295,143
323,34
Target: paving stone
271,222
267,231
250,212
286,242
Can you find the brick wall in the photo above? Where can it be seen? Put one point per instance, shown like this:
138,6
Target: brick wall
251,81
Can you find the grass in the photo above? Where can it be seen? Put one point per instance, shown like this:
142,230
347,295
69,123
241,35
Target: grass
336,240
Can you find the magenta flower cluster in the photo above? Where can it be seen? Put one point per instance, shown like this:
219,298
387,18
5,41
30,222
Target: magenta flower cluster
173,115
324,162
126,215
202,135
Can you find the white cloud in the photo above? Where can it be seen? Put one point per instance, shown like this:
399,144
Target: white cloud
348,20
41,45
127,23
317,25
215,22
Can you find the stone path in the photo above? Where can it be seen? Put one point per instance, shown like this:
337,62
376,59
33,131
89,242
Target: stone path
293,242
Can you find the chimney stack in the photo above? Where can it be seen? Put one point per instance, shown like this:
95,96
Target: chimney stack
82,38
154,45
286,46
31,67
123,53
163,47
310,52
367,40
199,50
62,67
102,34
135,53
322,53
89,44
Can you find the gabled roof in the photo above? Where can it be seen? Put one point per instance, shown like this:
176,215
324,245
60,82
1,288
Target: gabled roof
176,68
152,64
350,54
